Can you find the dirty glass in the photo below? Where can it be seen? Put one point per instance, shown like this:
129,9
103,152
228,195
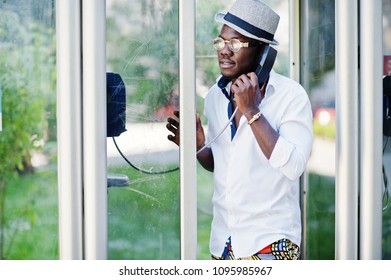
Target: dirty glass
386,242
28,166
318,49
143,204
318,78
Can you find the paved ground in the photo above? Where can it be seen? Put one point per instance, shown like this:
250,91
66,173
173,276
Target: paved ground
143,144
147,143
322,160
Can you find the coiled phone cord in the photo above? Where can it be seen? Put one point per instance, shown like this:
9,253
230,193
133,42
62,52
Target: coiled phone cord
142,170
176,168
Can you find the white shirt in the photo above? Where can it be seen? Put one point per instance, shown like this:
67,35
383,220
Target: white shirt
255,200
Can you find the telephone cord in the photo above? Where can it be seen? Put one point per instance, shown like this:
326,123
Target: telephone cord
221,132
142,170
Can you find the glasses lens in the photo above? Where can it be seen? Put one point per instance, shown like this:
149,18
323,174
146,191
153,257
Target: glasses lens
218,43
234,45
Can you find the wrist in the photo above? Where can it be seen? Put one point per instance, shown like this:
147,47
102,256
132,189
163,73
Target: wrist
253,117
251,112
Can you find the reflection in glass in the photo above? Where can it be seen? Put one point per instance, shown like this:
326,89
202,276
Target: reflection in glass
386,242
28,168
142,47
318,78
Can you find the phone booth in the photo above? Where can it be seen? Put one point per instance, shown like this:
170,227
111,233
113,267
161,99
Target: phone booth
87,171
119,213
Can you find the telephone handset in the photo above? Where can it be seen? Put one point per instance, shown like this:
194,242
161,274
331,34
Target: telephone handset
265,64
387,106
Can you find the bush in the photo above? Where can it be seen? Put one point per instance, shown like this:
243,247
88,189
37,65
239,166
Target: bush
27,79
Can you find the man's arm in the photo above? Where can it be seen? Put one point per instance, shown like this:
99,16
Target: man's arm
205,157
288,149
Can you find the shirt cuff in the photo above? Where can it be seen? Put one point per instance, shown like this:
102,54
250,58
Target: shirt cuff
281,153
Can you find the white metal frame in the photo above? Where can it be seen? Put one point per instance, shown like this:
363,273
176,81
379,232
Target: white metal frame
371,88
294,39
94,129
294,73
82,149
81,91
359,140
188,178
69,129
346,203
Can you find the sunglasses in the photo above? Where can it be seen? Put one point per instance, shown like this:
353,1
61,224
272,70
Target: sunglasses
234,44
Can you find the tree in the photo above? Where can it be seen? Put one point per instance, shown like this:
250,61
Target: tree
27,78
145,55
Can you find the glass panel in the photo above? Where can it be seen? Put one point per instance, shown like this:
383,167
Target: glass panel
318,78
207,73
386,248
28,168
142,47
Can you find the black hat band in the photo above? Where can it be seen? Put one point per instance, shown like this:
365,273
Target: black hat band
249,27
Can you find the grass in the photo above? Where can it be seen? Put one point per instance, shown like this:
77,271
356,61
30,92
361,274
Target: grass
320,243
324,130
144,217
31,217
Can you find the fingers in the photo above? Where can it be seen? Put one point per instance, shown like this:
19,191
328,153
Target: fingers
171,138
253,78
172,124
248,80
241,83
245,82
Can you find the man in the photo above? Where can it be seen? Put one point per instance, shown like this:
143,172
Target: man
258,162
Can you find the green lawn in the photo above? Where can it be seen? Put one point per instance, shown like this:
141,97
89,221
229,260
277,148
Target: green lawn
31,217
144,217
320,218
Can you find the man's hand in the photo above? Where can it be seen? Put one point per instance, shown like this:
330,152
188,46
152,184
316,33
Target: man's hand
248,96
173,126
200,135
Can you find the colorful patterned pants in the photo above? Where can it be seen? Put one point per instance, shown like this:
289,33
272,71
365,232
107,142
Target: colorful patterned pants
283,249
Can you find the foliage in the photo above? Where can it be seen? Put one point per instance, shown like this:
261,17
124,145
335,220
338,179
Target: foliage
147,55
31,215
144,216
27,78
319,47
320,224
327,131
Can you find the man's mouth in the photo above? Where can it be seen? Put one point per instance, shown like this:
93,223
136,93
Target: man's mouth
224,63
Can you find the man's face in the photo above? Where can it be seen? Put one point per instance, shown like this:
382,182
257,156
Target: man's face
233,64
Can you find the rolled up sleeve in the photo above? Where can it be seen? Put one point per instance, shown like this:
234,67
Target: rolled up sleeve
293,147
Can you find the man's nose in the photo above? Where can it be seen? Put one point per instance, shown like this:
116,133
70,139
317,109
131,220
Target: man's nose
226,49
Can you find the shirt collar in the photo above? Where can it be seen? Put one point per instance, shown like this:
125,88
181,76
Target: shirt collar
224,84
271,84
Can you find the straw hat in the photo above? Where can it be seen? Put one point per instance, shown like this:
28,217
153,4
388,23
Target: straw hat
253,19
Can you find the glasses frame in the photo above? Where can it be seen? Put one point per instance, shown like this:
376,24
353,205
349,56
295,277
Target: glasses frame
230,44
